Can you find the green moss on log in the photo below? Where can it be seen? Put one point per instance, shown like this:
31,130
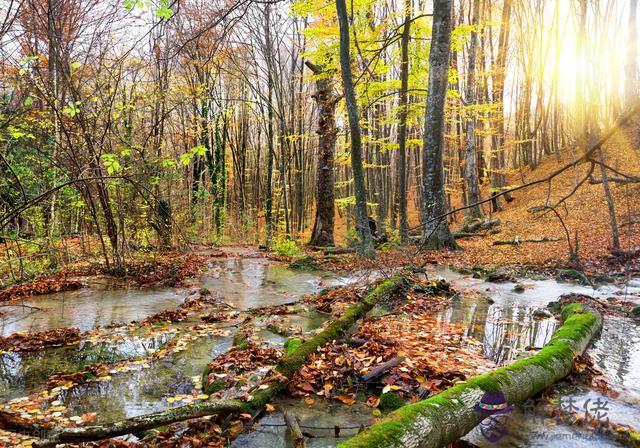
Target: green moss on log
294,359
297,351
291,345
292,362
555,358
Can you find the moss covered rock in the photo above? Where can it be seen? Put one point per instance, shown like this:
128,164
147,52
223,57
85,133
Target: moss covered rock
306,263
390,401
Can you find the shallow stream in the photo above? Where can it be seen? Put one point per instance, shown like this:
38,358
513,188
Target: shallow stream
508,323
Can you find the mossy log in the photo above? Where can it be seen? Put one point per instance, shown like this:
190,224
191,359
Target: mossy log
53,437
287,367
293,360
449,415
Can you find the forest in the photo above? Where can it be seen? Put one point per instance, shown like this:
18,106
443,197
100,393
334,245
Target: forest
319,223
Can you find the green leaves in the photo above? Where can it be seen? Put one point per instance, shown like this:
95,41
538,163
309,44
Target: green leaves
17,133
72,109
185,158
130,5
199,150
164,12
26,62
110,162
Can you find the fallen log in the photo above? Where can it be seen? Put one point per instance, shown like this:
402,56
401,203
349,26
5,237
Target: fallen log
616,179
449,415
517,240
292,362
339,250
480,225
288,365
53,437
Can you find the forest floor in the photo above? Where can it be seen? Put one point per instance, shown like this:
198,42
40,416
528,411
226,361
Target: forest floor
584,213
426,330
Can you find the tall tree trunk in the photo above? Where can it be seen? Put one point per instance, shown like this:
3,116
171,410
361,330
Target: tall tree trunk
402,125
270,138
497,162
365,246
325,179
53,9
436,228
471,170
613,221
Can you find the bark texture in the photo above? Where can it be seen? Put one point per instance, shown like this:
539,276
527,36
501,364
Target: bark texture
362,219
471,169
446,417
436,229
402,125
322,235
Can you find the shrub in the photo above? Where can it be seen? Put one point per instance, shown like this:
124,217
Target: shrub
286,247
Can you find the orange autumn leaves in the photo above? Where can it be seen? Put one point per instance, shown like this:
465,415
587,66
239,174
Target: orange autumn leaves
436,355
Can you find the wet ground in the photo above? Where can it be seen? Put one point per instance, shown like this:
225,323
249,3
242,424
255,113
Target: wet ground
508,323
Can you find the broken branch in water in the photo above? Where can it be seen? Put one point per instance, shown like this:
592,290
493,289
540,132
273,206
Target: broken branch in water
295,433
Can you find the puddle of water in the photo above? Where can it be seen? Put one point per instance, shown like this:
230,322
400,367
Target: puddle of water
87,308
143,391
505,331
318,419
617,352
537,292
22,373
243,283
255,282
581,400
506,327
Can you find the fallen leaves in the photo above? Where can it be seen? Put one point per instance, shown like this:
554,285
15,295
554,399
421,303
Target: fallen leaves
228,369
43,285
21,342
435,354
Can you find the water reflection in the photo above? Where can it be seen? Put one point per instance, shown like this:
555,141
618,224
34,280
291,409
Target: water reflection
142,391
504,331
256,282
526,430
617,352
318,419
22,373
87,308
